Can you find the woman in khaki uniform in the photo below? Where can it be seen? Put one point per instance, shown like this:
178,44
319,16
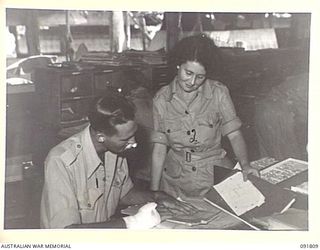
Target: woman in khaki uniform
191,114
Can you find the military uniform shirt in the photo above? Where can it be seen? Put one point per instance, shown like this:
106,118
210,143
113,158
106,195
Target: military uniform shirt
193,134
78,187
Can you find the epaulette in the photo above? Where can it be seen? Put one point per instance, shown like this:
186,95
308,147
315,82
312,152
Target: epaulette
218,83
164,91
72,148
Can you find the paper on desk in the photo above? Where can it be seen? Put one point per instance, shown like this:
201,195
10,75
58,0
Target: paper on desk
237,166
241,196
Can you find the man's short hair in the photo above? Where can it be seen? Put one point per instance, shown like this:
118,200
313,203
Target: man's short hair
110,110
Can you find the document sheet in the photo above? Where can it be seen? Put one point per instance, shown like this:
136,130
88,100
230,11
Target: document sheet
241,196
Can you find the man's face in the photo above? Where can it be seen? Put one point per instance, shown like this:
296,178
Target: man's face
118,142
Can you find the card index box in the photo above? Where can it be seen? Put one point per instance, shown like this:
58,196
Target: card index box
286,173
283,170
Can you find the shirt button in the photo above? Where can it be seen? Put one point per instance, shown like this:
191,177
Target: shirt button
194,169
187,113
188,132
78,146
165,169
89,204
104,179
192,151
168,130
210,125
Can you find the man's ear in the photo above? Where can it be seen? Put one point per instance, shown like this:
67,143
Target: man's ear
100,138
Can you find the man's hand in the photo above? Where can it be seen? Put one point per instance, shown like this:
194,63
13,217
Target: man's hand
172,204
249,170
147,217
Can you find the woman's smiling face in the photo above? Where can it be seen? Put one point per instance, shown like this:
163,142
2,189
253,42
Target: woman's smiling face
191,75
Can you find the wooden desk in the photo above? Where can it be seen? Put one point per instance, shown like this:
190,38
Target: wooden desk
221,221
292,219
295,218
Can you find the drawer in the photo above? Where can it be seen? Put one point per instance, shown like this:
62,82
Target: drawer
76,85
103,80
74,111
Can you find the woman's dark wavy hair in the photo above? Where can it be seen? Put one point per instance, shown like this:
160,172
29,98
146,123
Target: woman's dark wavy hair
110,110
199,48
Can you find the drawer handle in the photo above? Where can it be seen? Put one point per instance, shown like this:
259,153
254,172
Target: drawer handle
107,71
76,73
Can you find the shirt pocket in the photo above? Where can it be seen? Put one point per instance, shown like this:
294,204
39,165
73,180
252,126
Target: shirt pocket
173,130
174,171
172,126
88,203
210,120
119,179
173,166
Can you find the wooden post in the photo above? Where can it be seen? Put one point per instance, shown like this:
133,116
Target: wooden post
173,29
142,25
118,31
111,31
198,25
32,32
68,39
128,29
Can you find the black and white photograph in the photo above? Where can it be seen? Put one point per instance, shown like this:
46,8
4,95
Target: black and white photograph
122,120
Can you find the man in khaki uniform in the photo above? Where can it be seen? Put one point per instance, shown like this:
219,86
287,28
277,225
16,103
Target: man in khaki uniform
86,178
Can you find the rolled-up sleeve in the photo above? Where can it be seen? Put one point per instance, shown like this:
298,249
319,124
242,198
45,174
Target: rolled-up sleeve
230,121
158,135
59,206
231,126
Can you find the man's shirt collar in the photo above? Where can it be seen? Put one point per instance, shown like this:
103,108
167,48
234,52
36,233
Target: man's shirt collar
92,159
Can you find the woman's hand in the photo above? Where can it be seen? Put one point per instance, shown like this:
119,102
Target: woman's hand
249,170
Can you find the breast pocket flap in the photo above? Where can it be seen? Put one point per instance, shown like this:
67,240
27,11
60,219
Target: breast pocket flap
92,197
